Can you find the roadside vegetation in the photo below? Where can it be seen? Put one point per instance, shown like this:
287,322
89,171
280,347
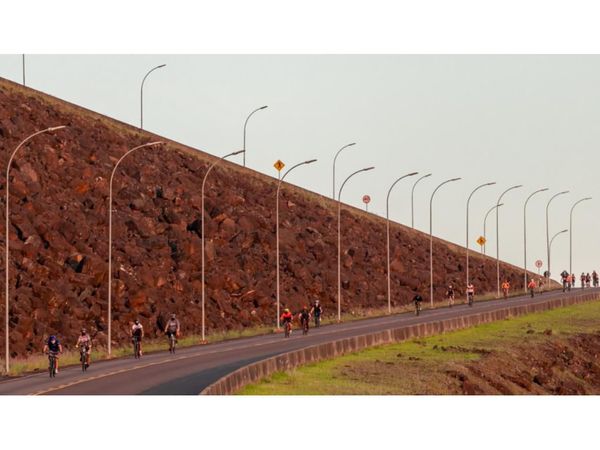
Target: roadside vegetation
549,352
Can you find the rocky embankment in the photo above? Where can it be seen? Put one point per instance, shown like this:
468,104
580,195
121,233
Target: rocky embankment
59,185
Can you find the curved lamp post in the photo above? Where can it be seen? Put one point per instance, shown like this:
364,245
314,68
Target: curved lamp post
110,194
412,201
142,94
571,232
340,240
387,214
277,229
431,237
7,244
498,235
335,159
485,223
246,123
552,240
525,237
203,184
548,233
468,201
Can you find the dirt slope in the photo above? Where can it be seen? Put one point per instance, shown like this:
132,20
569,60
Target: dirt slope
59,233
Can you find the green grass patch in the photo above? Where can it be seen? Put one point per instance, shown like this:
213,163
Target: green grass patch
419,366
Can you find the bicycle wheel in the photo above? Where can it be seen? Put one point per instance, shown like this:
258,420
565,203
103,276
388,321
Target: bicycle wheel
52,366
83,362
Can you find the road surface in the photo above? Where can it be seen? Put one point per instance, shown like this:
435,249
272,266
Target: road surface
192,369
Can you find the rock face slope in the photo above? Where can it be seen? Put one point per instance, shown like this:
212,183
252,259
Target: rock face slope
59,185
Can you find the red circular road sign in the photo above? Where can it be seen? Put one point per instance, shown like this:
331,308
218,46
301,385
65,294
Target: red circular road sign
539,263
366,199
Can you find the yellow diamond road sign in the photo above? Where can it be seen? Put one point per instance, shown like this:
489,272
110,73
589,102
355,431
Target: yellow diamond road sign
279,165
481,240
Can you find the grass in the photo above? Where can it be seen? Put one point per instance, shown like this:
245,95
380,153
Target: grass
38,362
418,366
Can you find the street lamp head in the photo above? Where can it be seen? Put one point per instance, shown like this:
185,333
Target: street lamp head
543,189
57,128
428,175
412,174
351,144
563,192
564,231
152,144
455,179
263,107
238,152
161,66
517,186
490,184
499,205
367,168
310,161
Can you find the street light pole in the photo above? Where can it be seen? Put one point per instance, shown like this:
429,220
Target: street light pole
23,69
202,215
142,94
498,235
387,213
246,123
277,229
571,232
335,159
550,245
7,244
110,194
412,201
548,233
431,238
340,240
467,240
525,237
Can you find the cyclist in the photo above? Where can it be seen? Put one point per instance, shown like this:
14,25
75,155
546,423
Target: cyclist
588,280
417,299
505,288
85,342
470,293
582,278
564,276
304,318
286,318
450,295
569,282
53,345
173,326
316,311
531,286
137,331
595,278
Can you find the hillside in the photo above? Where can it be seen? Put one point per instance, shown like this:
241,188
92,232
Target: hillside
59,235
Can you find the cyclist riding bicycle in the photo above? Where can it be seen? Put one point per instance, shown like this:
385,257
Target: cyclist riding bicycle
450,295
304,318
595,278
505,288
85,342
137,331
172,326
53,345
316,311
417,299
286,318
531,286
470,293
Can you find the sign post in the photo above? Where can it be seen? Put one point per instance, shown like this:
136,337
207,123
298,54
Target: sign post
481,241
366,200
278,166
539,264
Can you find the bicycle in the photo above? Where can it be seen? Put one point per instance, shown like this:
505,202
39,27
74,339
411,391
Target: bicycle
52,363
83,356
172,342
305,327
317,321
136,347
417,308
470,297
287,327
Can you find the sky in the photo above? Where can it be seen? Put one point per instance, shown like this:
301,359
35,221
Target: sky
529,120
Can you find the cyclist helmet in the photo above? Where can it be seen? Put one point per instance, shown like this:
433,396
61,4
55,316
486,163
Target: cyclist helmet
172,316
317,301
83,331
137,321
286,310
52,338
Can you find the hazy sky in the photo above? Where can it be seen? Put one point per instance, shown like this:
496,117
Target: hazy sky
530,120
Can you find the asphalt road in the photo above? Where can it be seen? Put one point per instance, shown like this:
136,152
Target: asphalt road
192,369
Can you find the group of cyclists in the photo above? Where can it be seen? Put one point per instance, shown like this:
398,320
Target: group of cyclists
53,348
587,280
304,316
